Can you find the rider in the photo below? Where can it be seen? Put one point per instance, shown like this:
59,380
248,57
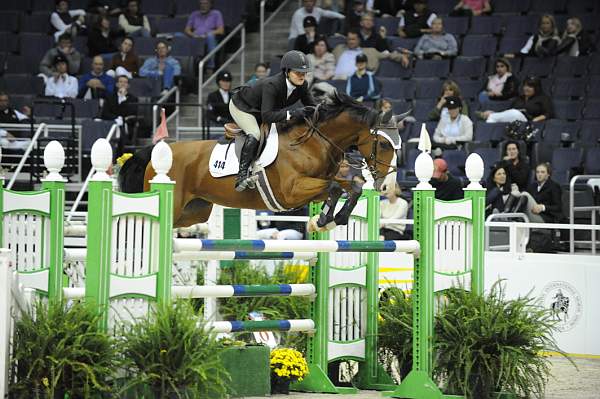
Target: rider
265,102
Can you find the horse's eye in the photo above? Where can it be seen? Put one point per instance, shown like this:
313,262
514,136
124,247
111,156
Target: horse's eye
385,145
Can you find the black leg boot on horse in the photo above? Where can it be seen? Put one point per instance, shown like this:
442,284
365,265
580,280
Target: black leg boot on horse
244,179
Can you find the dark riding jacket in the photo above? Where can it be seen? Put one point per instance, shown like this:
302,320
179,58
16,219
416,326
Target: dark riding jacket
267,99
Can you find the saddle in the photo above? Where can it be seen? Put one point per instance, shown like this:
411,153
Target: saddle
235,133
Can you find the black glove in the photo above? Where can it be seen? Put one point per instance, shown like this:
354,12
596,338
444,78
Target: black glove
297,114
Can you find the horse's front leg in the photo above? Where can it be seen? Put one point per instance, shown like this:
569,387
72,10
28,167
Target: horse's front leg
341,218
326,216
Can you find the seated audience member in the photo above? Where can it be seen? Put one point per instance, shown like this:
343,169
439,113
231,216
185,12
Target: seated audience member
218,100
515,165
207,24
304,42
575,41
471,8
363,85
283,230
121,103
101,38
437,44
501,196
96,83
321,60
449,89
447,187
133,22
503,85
417,21
162,66
545,42
10,115
388,119
260,71
308,8
533,105
370,38
455,128
126,62
354,14
105,7
65,49
544,196
64,20
344,171
393,207
61,84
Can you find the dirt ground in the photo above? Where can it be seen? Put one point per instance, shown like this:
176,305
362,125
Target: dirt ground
568,383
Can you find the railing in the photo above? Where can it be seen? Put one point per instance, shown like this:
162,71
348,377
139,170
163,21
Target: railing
516,243
242,50
264,23
175,114
41,128
573,209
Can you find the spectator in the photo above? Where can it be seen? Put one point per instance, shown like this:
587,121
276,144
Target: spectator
387,8
283,230
105,7
64,20
344,171
260,71
368,36
126,62
449,88
101,38
304,42
133,22
417,21
471,8
362,85
321,60
545,42
393,207
308,8
575,41
354,15
121,103
162,66
436,44
218,100
388,119
455,128
544,197
533,105
65,49
61,84
96,83
501,195
447,187
207,24
515,165
9,114
503,85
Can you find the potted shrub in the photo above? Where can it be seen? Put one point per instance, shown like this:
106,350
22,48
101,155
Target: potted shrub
170,355
395,331
60,352
287,365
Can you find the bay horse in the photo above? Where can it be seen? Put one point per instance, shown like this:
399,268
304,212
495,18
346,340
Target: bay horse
304,170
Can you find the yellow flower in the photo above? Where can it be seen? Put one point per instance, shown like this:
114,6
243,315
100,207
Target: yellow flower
45,382
123,158
163,351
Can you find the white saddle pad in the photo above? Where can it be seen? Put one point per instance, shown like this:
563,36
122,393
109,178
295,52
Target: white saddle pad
224,161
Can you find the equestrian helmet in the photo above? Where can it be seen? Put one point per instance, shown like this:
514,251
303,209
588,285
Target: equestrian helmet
296,61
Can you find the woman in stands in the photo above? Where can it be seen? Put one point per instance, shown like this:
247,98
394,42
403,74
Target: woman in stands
575,41
503,85
544,203
545,41
515,165
437,44
449,88
454,129
101,39
126,62
261,70
322,60
533,105
499,197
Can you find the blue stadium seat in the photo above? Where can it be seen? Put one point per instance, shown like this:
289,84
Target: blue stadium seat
486,25
21,84
16,5
589,133
333,41
170,25
591,165
43,5
390,23
473,67
490,156
490,133
580,7
456,161
554,128
398,88
441,7
496,106
92,131
458,26
9,21
540,67
592,109
35,44
572,88
469,88
145,45
9,42
400,106
429,68
428,87
402,43
391,69
519,25
422,109
19,101
37,23
595,65
571,66
514,6
143,87
185,46
512,44
328,26
548,6
18,64
563,161
185,7
593,89
479,45
157,7
567,109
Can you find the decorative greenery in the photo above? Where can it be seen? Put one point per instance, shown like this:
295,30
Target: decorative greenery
172,354
288,363
59,349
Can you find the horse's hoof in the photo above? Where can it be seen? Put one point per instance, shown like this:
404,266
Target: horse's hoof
324,220
313,226
341,221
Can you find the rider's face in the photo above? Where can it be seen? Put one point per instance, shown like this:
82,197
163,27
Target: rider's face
297,78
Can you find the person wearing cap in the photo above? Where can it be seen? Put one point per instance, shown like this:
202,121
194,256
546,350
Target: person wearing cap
305,41
417,21
64,48
61,84
455,127
266,102
363,85
218,100
308,8
447,187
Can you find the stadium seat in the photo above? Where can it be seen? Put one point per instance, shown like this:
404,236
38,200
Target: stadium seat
469,88
391,69
92,131
511,44
16,5
519,25
390,24
400,106
36,23
589,133
570,66
185,46
18,64
472,67
479,45
564,160
9,42
19,101
328,26
143,87
567,109
398,88
21,84
334,41
456,161
43,5
486,25
548,6
402,43
595,65
422,109
540,67
429,68
170,25
35,44
593,89
510,6
157,7
554,128
580,7
458,26
592,109
591,165
496,106
9,21
185,7
572,88
489,133
428,87
490,156
441,7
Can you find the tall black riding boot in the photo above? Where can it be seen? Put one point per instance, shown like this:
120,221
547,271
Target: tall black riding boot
243,180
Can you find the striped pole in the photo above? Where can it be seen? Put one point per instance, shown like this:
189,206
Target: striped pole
305,325
187,244
241,255
228,291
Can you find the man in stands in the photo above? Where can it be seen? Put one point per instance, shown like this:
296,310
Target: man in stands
163,66
67,51
61,84
447,187
368,36
121,107
308,8
418,22
133,22
9,114
96,83
64,20
218,100
207,24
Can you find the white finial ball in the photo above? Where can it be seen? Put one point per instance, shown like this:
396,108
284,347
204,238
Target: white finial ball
54,159
162,159
424,169
474,169
101,156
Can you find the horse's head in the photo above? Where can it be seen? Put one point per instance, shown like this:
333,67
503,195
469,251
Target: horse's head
379,148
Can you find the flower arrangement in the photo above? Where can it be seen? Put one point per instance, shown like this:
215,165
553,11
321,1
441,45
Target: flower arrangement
120,162
288,363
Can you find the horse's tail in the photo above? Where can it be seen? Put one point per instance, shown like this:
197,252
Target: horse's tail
131,175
